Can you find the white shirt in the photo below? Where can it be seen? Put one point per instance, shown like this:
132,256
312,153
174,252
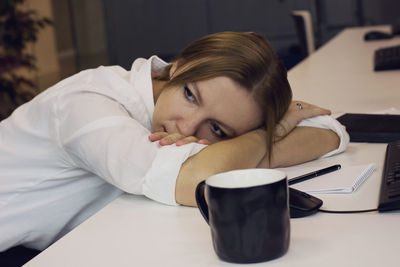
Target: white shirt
75,147
81,143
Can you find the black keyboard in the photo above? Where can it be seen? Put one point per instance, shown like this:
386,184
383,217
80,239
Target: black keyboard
387,58
389,198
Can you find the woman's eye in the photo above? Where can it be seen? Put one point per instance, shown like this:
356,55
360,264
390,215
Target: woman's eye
188,94
216,130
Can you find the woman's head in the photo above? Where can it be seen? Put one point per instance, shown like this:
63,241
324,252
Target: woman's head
247,59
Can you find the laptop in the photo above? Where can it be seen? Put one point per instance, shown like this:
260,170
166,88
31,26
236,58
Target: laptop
371,128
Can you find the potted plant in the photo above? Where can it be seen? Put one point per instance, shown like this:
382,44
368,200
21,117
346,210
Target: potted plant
19,28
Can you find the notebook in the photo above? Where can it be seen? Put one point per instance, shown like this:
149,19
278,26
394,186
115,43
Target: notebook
346,180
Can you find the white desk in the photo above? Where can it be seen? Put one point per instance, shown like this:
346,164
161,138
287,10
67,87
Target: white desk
340,75
134,231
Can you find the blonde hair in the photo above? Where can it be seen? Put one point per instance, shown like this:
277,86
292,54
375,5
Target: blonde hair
246,58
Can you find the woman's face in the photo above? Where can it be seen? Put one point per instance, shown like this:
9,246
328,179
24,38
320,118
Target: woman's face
213,109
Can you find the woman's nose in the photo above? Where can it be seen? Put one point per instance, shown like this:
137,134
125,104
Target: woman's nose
188,125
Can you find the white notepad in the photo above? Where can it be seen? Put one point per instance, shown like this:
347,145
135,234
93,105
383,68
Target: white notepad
346,180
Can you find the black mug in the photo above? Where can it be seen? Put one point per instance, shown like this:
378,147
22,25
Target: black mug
248,214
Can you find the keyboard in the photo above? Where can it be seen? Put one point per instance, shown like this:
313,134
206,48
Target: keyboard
387,58
389,197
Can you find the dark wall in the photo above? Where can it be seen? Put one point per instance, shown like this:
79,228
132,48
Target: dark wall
118,31
142,28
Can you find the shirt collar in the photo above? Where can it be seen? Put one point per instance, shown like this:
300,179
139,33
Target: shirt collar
140,77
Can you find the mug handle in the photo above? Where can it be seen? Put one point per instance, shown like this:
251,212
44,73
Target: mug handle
201,201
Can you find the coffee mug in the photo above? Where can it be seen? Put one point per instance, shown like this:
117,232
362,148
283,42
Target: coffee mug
248,214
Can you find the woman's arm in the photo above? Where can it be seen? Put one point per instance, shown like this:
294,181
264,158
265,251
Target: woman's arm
301,145
249,151
242,152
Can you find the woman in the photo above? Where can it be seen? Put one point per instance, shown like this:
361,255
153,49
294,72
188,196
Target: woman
225,102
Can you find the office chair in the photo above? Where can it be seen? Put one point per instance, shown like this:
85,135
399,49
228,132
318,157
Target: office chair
304,29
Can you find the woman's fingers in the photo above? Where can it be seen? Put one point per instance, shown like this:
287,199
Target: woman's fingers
180,140
186,140
171,139
307,110
157,136
192,139
298,111
204,142
176,138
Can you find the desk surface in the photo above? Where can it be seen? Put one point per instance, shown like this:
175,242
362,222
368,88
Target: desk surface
340,75
135,231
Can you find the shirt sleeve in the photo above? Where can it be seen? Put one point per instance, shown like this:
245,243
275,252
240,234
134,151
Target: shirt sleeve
99,136
328,122
160,180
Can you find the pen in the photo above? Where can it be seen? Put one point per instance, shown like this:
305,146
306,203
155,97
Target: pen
313,174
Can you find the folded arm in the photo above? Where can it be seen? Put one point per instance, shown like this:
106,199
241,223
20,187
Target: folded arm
249,151
292,145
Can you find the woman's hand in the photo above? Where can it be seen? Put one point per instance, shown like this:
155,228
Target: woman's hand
298,111
176,138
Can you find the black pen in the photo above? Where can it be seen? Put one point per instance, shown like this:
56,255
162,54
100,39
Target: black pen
313,174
